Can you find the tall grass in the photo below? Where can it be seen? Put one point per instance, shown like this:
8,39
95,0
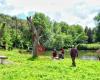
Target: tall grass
23,67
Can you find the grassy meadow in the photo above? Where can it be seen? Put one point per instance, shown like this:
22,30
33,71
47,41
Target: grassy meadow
23,67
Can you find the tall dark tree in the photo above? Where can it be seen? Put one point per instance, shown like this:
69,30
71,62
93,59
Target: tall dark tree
94,34
90,35
86,29
98,33
97,19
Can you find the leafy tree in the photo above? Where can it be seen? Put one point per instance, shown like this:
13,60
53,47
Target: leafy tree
86,30
90,35
6,37
64,27
38,25
97,19
94,34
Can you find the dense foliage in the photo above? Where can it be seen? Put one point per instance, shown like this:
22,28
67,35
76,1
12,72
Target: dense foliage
97,19
16,32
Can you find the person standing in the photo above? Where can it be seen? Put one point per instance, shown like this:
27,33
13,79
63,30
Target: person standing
73,54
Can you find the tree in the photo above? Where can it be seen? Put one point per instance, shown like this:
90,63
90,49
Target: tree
94,34
35,36
40,26
86,30
64,27
90,35
6,39
97,19
15,26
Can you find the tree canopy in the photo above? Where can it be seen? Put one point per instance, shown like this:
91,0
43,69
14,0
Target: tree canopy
16,32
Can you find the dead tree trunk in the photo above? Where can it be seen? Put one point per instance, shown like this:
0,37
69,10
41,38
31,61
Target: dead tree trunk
35,37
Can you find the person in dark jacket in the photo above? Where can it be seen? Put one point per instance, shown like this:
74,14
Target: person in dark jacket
62,52
54,53
73,54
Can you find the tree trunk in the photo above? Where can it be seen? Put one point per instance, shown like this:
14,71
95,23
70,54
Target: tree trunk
35,37
34,51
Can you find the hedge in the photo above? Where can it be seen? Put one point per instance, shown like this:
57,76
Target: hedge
93,46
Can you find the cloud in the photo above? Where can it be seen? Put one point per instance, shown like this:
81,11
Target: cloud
4,8
73,12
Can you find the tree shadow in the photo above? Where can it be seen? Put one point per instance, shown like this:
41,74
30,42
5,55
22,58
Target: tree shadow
32,58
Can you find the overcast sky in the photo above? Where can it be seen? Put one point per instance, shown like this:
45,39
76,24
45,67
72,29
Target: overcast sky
71,11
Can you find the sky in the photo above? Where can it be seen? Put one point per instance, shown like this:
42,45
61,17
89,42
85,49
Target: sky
70,11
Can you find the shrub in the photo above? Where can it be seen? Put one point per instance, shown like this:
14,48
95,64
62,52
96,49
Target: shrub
93,46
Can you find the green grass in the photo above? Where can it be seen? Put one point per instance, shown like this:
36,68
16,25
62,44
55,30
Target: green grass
23,67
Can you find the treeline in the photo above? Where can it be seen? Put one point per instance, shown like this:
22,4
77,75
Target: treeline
17,33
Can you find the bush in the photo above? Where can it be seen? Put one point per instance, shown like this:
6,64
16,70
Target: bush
94,46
